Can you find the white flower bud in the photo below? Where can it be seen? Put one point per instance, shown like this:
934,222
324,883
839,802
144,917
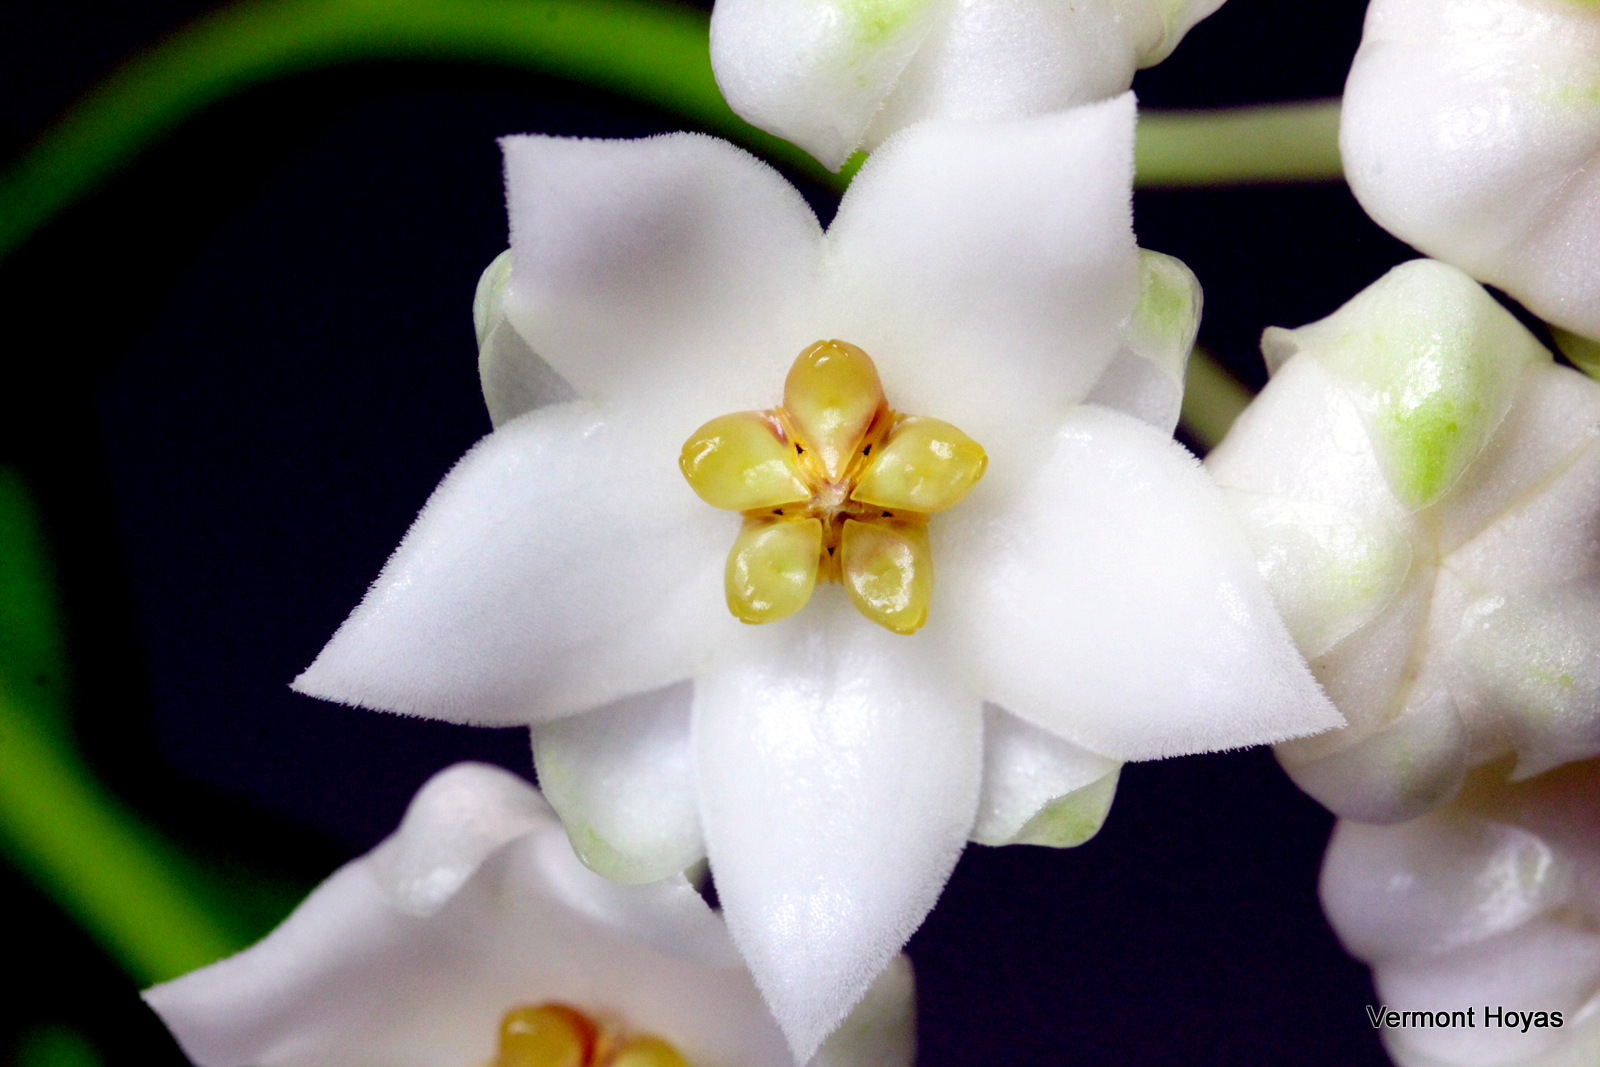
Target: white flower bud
1471,129
1479,921
837,75
1421,484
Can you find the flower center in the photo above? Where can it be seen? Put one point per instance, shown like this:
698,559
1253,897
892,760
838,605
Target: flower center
555,1035
833,486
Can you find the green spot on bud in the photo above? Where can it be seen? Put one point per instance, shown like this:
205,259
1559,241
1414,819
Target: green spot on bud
1433,363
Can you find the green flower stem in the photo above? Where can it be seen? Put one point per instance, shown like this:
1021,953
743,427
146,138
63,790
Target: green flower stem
114,876
650,51
134,893
1212,399
1239,146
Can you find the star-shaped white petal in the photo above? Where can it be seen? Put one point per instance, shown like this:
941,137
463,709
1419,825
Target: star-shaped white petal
1092,589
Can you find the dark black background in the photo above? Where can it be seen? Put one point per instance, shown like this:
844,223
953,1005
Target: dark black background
232,377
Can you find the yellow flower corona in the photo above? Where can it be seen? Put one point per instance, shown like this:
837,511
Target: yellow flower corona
834,486
555,1035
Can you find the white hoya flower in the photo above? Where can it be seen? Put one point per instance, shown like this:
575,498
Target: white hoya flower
473,937
837,75
1422,486
1484,917
1471,129
1094,600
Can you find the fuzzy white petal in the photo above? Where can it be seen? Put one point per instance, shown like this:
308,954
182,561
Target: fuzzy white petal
839,768
1037,788
988,269
349,979
1117,605
1471,129
622,779
647,269
815,71
561,565
1145,379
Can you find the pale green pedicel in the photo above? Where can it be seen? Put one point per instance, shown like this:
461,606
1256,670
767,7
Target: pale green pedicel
1582,351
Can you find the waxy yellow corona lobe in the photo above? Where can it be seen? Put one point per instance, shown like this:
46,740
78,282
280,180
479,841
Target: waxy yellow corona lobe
834,486
555,1035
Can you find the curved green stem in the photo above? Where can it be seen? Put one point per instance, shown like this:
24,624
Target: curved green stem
114,876
1212,399
131,890
1240,146
650,51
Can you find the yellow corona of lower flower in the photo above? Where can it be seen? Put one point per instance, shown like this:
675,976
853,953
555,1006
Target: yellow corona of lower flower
555,1035
833,486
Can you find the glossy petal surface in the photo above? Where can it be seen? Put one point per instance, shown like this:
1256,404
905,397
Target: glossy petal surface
622,779
1487,903
1037,788
839,774
1146,378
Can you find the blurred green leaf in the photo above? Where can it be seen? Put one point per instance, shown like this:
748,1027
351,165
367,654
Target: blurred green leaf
55,1046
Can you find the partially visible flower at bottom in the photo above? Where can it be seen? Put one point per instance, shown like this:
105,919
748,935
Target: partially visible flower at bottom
415,955
1487,910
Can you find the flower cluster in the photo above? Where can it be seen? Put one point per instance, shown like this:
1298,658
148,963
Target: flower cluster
1088,602
970,572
